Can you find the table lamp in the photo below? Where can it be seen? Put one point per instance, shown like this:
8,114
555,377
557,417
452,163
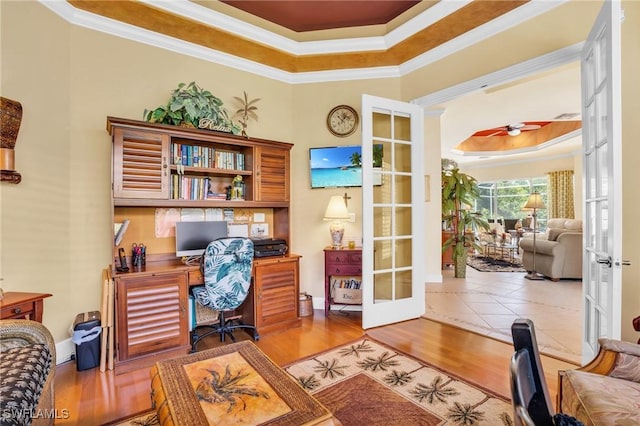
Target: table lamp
336,212
534,203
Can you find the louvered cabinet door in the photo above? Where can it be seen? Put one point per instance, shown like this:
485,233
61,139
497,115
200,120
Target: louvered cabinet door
152,314
276,286
140,164
272,174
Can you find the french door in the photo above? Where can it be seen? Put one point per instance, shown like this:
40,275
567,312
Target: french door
392,211
602,163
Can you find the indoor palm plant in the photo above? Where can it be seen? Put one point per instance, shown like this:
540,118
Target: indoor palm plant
459,192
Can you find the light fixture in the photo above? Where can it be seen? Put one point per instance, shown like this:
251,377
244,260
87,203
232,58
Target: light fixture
534,203
513,131
336,212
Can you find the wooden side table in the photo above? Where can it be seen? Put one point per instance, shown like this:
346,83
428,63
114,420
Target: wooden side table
19,305
339,262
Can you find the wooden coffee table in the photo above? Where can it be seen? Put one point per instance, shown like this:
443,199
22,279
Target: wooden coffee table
232,384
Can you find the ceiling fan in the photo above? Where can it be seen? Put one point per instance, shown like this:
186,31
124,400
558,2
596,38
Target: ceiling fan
512,129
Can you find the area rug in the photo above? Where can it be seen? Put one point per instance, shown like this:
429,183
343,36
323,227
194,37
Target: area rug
492,264
368,383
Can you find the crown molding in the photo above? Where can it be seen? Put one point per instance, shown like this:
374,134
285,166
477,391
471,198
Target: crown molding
493,162
183,7
532,66
256,34
535,148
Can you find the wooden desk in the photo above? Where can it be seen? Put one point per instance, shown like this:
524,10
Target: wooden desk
19,305
152,306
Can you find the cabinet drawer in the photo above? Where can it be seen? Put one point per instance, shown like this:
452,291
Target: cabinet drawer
338,258
195,277
343,270
355,258
17,311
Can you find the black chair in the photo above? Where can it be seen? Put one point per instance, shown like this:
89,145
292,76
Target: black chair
529,393
530,396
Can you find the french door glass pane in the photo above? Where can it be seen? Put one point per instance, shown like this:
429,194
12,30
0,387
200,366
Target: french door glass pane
392,206
402,128
382,222
381,125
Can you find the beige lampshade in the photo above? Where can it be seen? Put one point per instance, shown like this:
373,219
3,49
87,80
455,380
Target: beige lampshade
535,202
337,209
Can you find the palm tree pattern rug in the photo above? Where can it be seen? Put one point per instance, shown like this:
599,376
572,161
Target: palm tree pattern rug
494,264
366,382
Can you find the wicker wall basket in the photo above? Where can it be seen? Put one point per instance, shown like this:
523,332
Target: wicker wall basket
10,120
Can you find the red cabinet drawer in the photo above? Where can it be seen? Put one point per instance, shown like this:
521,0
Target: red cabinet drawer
343,270
337,258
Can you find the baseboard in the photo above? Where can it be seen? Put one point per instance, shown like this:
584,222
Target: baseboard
65,351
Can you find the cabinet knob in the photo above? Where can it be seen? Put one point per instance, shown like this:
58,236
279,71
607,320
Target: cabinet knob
17,310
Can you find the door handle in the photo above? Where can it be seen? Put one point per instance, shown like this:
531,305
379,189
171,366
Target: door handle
606,261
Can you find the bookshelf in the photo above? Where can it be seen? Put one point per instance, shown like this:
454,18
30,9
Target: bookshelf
159,168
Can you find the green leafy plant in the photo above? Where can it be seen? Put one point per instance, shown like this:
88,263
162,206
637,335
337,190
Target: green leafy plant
246,111
459,192
187,105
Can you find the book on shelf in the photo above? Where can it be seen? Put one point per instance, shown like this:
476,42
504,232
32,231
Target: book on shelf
207,157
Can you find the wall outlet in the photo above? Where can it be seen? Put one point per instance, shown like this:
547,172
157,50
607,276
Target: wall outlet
352,218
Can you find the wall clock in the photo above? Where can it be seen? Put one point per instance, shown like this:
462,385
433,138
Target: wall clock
342,120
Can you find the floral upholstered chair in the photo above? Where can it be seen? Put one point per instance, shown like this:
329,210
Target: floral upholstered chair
226,267
607,390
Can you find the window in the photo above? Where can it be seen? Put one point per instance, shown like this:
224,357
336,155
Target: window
504,199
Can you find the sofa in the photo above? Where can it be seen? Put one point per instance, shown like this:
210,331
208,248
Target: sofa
607,390
558,250
27,373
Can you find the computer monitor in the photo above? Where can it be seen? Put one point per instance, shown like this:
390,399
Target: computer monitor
192,238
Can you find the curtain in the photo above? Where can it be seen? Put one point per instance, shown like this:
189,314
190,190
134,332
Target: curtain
560,195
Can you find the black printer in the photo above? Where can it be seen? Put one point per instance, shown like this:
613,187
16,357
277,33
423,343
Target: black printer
265,247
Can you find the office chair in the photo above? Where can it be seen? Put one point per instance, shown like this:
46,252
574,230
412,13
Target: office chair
529,394
226,268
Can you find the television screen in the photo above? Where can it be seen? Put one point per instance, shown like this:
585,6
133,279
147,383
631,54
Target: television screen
192,238
339,166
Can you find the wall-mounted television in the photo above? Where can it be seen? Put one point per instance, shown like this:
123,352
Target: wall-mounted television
339,166
192,238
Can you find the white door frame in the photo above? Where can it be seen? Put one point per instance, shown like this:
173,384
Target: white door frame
602,151
570,54
395,307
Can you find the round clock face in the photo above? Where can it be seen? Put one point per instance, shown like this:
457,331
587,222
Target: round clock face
342,120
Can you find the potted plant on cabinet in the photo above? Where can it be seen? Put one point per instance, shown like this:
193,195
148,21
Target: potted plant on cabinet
459,192
189,103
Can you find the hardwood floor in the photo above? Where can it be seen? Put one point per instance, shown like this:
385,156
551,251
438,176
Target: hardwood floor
93,398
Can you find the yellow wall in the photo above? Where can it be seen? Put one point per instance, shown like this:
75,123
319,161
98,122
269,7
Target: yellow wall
56,225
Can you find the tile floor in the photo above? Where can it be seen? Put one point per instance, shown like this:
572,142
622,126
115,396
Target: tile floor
488,302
